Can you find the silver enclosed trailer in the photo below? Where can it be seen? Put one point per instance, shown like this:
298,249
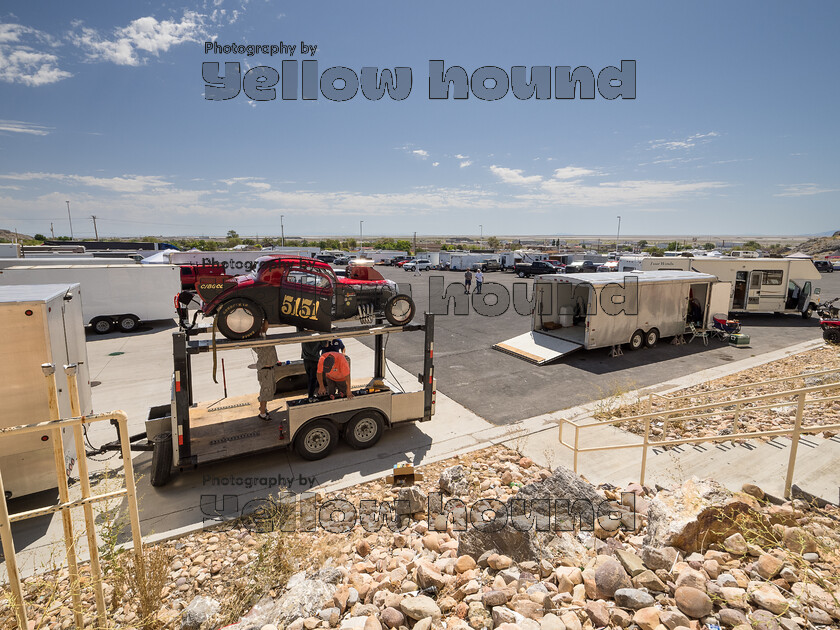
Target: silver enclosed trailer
41,324
604,310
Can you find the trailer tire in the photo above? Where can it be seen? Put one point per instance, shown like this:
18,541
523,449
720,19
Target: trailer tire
102,325
316,439
637,340
399,310
128,323
161,459
652,337
364,429
239,319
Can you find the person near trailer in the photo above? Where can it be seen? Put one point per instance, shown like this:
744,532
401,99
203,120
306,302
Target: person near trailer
467,280
310,352
333,345
479,280
266,362
334,375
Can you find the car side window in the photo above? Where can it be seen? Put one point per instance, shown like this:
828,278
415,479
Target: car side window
309,279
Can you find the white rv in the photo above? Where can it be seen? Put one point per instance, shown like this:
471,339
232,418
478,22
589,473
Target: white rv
574,311
759,285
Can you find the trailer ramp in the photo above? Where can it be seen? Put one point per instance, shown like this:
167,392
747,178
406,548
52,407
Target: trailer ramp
537,347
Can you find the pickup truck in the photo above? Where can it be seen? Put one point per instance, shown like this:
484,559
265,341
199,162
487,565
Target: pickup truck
581,266
538,267
489,264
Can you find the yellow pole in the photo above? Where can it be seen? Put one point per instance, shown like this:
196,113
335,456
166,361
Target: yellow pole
794,445
11,559
130,489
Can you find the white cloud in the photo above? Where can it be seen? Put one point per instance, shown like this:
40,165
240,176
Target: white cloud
22,58
803,190
123,184
458,156
16,126
129,45
624,192
573,172
687,143
514,176
423,154
435,163
465,163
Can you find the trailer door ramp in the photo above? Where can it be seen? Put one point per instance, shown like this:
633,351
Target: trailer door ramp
537,347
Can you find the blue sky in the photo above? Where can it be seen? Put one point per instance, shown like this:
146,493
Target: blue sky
734,128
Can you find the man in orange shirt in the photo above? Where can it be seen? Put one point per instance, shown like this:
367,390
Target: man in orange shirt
334,374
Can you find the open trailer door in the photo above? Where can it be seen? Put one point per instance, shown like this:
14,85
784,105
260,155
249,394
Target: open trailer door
538,347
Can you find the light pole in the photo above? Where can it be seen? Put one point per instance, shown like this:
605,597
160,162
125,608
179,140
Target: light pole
282,233
71,220
481,238
617,233
360,237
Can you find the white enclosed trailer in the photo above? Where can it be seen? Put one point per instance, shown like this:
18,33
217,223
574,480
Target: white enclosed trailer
759,285
574,311
41,324
462,262
9,250
81,259
112,295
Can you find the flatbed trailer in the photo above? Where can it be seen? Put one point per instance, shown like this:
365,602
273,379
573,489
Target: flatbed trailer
194,434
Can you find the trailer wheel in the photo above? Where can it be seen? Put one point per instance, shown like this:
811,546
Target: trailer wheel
832,335
651,337
239,319
399,310
102,325
128,323
637,340
161,459
316,440
364,429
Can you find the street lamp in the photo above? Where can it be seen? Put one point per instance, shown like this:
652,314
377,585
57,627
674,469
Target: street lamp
71,219
360,236
282,233
617,233
481,227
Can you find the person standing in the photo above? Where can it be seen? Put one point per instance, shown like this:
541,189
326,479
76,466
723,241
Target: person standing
310,352
467,280
266,362
479,280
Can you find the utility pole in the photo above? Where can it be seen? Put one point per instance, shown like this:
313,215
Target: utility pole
95,231
481,237
282,233
360,236
71,220
415,243
618,231
52,231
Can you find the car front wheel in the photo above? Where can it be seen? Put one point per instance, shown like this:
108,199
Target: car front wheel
399,310
239,319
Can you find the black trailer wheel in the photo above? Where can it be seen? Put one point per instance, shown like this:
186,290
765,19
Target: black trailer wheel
239,319
161,459
399,310
102,325
316,439
364,429
651,337
637,340
832,335
128,323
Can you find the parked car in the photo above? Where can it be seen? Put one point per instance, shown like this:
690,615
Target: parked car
581,266
400,263
396,260
341,260
526,270
420,265
611,265
823,266
327,258
489,264
561,268
300,292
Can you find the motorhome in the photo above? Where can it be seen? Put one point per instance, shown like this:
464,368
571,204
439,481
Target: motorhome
604,310
759,285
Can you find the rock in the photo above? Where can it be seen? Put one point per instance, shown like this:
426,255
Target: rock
431,541
372,623
695,515
768,566
734,597
428,576
609,577
620,618
526,462
768,597
392,618
819,617
352,623
736,545
302,600
423,624
730,617
528,608
464,564
519,546
570,620
753,491
693,602
598,613
330,615
797,540
646,618
659,557
454,481
503,614
630,561
551,621
810,557
479,617
693,578
415,500
647,579
363,547
763,620
563,483
673,619
498,562
494,598
420,607
726,579
199,610
633,598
